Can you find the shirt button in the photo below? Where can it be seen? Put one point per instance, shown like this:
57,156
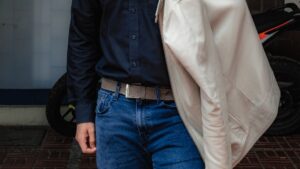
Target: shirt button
132,10
134,63
133,37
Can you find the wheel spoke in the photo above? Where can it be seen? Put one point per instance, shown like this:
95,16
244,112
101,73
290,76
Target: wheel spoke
66,113
73,119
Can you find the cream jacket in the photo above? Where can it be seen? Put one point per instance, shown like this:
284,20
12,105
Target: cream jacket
224,87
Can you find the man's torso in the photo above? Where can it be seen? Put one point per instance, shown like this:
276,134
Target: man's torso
131,49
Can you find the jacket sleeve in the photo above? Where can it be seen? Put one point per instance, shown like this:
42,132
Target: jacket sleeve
187,24
83,54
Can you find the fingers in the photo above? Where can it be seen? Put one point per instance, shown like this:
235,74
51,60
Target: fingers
82,142
85,136
92,140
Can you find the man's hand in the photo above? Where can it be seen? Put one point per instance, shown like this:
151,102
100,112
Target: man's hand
85,136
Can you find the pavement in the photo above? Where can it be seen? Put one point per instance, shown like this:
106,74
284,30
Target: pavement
50,150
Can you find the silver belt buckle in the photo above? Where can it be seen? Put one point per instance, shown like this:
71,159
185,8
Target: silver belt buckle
127,90
139,93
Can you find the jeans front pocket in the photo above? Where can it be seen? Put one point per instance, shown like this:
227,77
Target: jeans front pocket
104,100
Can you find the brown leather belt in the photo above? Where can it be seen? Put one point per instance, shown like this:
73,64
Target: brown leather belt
137,91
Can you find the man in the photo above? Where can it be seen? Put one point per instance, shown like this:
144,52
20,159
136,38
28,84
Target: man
133,122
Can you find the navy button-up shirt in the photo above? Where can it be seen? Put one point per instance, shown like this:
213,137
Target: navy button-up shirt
118,39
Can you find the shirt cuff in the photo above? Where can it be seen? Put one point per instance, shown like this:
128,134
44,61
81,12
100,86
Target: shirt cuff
85,112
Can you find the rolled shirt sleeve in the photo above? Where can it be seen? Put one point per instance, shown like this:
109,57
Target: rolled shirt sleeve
83,54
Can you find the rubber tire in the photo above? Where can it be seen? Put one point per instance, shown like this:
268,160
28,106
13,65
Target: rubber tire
55,101
287,121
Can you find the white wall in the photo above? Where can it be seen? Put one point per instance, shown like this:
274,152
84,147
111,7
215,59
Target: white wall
33,42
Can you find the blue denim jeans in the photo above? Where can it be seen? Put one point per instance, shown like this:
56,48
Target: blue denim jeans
142,134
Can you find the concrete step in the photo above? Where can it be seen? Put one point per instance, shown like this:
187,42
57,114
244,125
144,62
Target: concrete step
23,115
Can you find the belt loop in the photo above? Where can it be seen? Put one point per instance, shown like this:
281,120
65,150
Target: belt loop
157,91
117,92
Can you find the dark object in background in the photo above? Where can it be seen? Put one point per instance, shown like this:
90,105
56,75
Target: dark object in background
59,111
269,25
287,74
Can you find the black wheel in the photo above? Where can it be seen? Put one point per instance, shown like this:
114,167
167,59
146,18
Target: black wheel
59,113
287,73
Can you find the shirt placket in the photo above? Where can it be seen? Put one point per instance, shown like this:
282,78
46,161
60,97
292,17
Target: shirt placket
133,36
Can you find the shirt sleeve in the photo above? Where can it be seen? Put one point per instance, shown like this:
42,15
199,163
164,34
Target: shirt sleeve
82,56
